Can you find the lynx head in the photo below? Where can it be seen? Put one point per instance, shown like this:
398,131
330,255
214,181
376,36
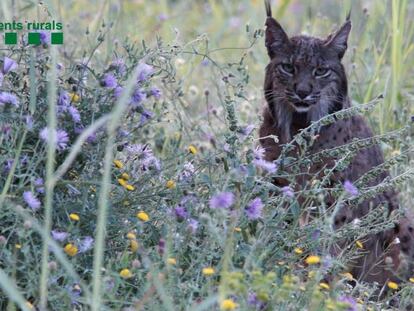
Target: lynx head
305,75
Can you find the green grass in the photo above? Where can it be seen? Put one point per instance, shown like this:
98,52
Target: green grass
208,59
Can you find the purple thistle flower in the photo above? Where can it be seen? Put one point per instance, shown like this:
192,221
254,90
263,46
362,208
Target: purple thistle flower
74,113
254,209
118,65
247,130
350,188
259,153
252,299
351,302
31,200
192,225
118,92
39,184
8,98
91,138
62,138
288,192
63,99
6,129
316,234
162,17
156,92
266,165
44,37
8,165
109,81
180,212
161,247
85,244
8,65
205,62
59,235
187,172
145,116
144,71
137,97
29,121
222,200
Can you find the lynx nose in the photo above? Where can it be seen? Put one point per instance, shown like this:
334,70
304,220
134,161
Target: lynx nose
303,89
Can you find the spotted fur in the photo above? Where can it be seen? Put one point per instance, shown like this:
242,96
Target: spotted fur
298,92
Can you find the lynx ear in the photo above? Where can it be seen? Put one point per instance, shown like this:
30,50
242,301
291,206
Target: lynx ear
276,37
338,41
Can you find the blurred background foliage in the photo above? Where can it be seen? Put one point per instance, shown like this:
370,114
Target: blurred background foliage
379,59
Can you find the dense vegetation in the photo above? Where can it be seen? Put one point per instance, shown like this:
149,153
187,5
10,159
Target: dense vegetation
131,177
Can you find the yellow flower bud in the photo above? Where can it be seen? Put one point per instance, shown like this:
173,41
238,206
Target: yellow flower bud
129,187
118,164
313,260
125,274
228,304
133,245
208,271
71,249
392,285
298,251
170,184
192,149
74,217
143,216
131,235
171,261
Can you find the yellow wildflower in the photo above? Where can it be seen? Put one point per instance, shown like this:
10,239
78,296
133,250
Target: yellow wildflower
392,285
228,304
134,245
313,260
348,276
125,176
143,216
172,261
74,216
122,182
71,249
18,246
125,273
411,280
208,271
129,187
29,305
359,244
131,235
192,149
170,184
118,164
324,285
74,97
237,229
298,251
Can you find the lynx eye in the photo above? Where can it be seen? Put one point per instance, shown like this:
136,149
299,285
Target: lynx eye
287,68
321,72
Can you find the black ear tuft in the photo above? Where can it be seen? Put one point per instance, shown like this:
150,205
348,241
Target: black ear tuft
338,41
268,8
276,37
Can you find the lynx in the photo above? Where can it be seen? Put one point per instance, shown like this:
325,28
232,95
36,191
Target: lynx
305,81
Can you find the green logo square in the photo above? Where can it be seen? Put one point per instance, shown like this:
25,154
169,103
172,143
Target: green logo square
34,38
10,38
57,38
